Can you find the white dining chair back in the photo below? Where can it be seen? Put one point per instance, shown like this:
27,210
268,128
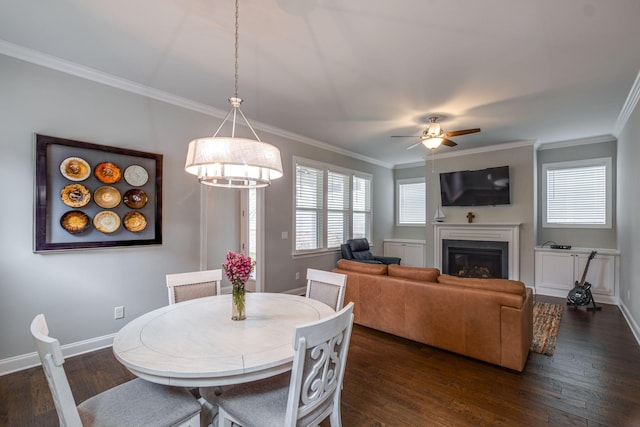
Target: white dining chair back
194,284
327,287
307,395
135,402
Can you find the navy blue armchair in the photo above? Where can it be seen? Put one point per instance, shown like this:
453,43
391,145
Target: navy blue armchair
358,250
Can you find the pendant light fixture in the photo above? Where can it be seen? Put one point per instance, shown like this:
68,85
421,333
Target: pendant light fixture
230,161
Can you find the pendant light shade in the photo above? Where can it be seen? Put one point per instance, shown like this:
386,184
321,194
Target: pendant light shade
230,161
233,162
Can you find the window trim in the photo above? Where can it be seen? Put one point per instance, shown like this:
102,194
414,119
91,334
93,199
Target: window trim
326,167
601,161
404,181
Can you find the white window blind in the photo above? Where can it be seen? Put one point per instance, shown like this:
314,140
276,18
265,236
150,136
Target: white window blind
309,208
577,194
361,207
337,209
332,205
411,202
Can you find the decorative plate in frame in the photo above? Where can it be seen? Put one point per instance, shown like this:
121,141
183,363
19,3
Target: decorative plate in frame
107,197
106,222
135,198
107,173
136,175
75,222
75,169
75,195
135,221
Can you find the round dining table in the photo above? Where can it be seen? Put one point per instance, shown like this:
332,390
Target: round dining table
196,344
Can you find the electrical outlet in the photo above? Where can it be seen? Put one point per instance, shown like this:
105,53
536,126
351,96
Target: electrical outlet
298,275
118,312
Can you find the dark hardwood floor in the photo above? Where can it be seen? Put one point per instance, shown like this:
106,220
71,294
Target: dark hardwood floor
593,379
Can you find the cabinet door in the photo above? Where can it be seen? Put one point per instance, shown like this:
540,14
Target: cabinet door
393,249
601,273
413,255
555,270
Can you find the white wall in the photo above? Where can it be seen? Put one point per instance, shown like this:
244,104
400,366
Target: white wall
628,207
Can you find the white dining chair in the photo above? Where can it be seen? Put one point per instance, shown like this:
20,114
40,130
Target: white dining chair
306,395
134,403
194,284
327,287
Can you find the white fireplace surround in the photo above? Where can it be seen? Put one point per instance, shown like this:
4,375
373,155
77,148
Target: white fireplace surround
481,232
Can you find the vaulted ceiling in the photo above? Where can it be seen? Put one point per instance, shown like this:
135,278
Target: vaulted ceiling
353,73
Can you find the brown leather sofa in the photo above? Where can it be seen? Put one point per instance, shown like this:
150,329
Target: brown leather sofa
486,319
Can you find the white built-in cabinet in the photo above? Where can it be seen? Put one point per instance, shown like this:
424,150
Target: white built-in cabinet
411,252
557,271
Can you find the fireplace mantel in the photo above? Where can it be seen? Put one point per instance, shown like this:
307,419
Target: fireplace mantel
484,232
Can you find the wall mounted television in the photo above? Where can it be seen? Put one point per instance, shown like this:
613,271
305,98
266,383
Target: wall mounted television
482,187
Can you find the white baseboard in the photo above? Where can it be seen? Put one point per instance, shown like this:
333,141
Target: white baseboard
24,361
605,299
635,329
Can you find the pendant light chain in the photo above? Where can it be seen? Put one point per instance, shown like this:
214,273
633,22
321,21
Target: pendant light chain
236,57
234,162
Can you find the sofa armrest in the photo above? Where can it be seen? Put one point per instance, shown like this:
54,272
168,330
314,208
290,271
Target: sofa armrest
387,259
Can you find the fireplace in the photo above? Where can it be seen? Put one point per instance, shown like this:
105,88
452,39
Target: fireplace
473,258
478,233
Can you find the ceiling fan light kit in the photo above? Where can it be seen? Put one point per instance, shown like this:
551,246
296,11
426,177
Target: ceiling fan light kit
233,162
433,136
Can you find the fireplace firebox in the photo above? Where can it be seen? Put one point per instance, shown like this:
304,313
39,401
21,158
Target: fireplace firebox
475,258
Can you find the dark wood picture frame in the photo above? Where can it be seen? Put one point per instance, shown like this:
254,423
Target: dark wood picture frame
52,228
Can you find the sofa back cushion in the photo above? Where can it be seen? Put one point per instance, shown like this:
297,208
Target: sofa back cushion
422,274
498,285
359,267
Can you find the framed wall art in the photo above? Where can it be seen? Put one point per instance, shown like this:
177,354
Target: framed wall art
94,196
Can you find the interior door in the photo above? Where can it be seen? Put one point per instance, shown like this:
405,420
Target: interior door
252,234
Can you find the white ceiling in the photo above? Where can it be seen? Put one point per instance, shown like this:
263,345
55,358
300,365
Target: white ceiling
353,73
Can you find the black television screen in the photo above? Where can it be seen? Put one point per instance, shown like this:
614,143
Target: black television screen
482,187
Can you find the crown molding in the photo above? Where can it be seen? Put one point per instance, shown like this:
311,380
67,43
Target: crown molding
575,142
87,73
480,150
629,105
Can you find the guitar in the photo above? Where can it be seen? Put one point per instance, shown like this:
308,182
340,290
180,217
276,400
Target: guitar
581,293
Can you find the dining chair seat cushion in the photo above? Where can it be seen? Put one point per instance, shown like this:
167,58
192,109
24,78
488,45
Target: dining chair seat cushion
265,400
139,403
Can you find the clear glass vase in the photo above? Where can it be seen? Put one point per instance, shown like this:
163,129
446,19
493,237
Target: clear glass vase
238,302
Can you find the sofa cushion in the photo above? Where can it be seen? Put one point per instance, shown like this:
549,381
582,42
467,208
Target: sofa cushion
359,267
497,285
422,274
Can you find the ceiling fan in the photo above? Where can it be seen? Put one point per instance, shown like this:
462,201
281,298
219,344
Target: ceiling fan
433,136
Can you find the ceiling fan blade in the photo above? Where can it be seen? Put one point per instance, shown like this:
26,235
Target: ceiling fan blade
448,142
414,145
462,132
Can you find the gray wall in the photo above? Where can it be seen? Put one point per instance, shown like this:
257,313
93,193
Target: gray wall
520,159
281,267
628,207
78,290
578,237
406,231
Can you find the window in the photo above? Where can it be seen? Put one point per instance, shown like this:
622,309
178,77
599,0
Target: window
331,205
577,194
411,202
